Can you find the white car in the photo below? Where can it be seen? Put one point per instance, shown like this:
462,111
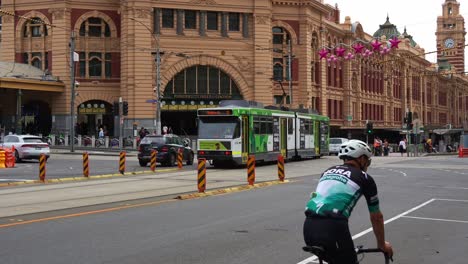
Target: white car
26,146
335,143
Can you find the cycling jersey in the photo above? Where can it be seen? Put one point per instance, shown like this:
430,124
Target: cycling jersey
339,189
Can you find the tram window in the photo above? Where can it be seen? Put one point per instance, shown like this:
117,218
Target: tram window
290,126
269,127
256,127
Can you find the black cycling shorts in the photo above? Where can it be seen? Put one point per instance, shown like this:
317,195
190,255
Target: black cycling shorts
333,235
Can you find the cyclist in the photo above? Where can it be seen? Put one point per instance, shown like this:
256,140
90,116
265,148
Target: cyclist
328,210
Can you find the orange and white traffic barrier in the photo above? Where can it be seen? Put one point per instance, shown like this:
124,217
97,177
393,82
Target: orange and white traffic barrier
180,158
2,159
122,159
201,175
86,164
281,167
154,154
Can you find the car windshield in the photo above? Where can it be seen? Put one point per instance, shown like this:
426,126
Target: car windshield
32,140
153,140
335,141
225,127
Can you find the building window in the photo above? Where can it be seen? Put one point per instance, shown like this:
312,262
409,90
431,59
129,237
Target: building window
280,36
35,28
280,99
95,27
190,19
94,65
202,80
212,18
278,73
168,18
234,21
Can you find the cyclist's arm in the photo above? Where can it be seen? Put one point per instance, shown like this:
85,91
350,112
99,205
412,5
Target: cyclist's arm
378,227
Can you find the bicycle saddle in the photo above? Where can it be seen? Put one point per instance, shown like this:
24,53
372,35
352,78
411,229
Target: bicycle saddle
317,251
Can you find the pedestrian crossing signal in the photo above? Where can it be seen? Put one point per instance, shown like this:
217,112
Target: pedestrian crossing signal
125,108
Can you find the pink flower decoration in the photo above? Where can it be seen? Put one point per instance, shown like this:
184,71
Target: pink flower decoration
323,53
367,53
340,51
394,42
349,56
376,45
385,50
358,48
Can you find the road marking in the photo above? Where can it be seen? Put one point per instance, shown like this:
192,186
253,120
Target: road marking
451,200
436,219
404,174
85,213
456,188
313,259
14,180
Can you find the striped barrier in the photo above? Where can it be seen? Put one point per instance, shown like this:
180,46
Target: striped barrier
201,175
86,164
2,159
153,160
251,170
180,157
122,162
42,167
281,167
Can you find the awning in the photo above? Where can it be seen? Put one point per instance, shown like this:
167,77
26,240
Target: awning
32,85
447,131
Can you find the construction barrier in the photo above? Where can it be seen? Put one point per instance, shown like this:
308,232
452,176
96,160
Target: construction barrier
42,167
10,157
122,162
154,153
85,164
180,158
281,167
463,152
2,159
201,175
251,170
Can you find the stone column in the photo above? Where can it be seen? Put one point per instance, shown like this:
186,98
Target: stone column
245,25
224,29
202,28
180,22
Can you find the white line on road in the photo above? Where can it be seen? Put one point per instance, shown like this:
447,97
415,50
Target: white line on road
15,180
314,258
436,219
456,188
451,200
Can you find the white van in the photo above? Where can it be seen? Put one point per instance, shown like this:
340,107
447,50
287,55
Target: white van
335,143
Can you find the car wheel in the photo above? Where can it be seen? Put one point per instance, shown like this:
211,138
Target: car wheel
17,158
190,159
143,163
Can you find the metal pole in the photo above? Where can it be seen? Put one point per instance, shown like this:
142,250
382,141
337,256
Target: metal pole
121,122
289,73
158,87
72,103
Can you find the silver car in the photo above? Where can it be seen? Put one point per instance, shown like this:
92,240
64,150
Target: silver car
26,146
335,144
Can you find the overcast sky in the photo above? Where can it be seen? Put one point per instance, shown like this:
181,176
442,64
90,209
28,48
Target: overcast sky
419,17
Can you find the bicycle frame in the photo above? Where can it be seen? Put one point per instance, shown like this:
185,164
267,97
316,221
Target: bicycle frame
360,250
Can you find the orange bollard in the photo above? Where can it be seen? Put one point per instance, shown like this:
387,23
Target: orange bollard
180,158
122,162
42,167
2,159
281,167
251,170
201,175
85,164
154,153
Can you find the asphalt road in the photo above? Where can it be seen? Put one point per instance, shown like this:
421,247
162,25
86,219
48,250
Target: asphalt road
424,201
62,165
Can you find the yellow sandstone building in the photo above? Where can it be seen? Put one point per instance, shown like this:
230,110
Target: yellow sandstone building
212,50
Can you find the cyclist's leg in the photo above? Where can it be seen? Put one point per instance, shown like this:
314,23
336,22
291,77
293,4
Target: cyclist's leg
345,252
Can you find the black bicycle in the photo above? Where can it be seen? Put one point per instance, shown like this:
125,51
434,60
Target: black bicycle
360,250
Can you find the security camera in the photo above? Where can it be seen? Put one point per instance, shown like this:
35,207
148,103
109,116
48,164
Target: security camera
77,83
155,89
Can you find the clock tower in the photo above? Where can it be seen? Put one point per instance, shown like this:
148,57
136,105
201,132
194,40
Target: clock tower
450,35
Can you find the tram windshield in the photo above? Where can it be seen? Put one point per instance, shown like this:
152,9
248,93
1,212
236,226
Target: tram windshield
218,127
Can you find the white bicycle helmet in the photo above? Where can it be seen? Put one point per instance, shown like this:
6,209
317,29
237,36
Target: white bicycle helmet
354,149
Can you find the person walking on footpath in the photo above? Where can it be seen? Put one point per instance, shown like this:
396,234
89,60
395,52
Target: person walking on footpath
402,146
385,147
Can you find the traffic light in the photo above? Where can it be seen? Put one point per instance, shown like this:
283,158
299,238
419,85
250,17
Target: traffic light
369,128
125,108
115,109
409,120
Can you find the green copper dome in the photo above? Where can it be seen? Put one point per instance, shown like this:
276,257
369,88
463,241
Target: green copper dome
387,29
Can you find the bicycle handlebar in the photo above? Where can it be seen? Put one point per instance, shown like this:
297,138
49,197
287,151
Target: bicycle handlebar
360,250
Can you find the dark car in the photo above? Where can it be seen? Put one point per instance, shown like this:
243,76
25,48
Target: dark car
168,146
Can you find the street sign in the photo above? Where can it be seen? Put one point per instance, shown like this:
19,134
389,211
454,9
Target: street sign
152,101
349,118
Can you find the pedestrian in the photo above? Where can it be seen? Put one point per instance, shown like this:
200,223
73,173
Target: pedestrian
385,147
429,145
377,146
402,146
101,133
164,130
142,133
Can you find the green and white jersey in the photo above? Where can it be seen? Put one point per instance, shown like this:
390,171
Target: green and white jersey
339,189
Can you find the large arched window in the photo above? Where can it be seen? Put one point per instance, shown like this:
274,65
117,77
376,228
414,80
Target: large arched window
281,38
36,55
95,27
95,56
202,80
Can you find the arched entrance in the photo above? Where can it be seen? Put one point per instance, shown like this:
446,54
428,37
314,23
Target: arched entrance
36,118
92,115
198,86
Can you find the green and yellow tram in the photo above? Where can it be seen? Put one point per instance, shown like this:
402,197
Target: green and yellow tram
236,129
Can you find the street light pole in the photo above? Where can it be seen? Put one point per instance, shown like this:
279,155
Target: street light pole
158,87
72,87
289,73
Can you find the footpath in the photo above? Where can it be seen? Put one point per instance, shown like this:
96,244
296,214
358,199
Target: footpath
35,198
